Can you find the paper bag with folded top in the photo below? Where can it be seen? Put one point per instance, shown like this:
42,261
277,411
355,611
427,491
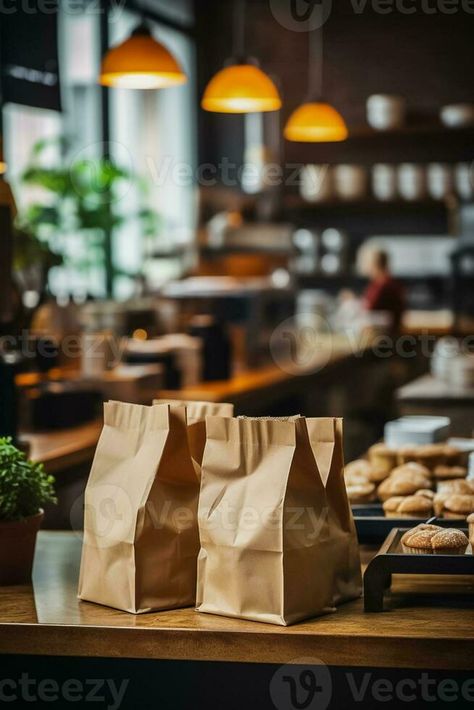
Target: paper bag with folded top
140,524
196,413
278,542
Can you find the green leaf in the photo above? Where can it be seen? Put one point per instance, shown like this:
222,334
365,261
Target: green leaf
24,485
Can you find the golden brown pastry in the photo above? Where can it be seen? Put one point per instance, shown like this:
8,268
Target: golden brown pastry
458,506
432,538
426,492
429,455
361,493
391,505
404,481
459,485
377,475
382,457
359,467
415,506
454,456
449,541
411,468
420,528
449,473
419,539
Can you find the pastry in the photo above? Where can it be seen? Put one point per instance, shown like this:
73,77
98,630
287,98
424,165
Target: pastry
459,485
419,528
458,506
432,538
406,454
359,467
411,468
454,456
361,493
404,481
391,506
378,474
449,473
415,506
382,457
449,541
429,455
438,503
355,479
426,492
419,539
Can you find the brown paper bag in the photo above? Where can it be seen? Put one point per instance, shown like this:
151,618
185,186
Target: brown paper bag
140,524
196,413
277,539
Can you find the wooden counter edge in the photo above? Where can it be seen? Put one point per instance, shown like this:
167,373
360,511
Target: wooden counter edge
246,647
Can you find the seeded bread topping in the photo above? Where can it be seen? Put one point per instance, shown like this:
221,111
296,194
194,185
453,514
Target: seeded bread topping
434,538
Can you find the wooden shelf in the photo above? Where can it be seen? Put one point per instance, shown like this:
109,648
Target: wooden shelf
370,216
365,146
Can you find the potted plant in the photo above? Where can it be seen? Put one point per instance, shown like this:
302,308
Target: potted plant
81,198
24,488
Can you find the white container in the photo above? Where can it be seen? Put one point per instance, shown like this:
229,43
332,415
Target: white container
446,350
350,182
411,181
464,180
316,183
457,115
386,112
384,181
416,430
440,180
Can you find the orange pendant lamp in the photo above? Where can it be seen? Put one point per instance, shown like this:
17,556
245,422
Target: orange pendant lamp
315,121
141,62
241,86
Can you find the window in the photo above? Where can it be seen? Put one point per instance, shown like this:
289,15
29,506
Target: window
154,132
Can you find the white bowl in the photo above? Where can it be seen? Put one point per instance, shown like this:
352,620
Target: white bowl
316,183
386,112
440,180
457,115
350,182
411,181
384,181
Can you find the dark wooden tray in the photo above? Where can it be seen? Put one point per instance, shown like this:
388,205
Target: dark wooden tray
373,527
392,559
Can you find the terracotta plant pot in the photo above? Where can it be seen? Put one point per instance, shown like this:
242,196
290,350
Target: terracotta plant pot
17,548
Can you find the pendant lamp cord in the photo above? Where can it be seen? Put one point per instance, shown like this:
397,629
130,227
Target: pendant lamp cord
315,63
239,29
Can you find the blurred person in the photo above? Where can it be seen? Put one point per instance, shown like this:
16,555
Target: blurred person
384,292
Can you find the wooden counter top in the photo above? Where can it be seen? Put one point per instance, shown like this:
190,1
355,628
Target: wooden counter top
255,381
435,632
59,450
62,449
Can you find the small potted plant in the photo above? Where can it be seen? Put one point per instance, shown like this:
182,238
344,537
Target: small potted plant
24,488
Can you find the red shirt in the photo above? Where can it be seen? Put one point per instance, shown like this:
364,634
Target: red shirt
386,294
